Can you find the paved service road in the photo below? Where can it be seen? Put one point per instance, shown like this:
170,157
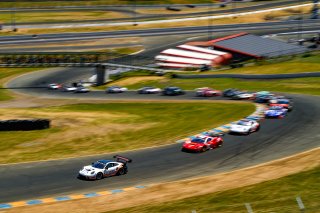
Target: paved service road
45,38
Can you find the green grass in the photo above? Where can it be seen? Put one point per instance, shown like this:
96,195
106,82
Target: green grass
297,85
9,72
99,128
296,65
309,62
270,196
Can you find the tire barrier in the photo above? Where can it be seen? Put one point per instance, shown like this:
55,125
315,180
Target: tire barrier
24,125
57,57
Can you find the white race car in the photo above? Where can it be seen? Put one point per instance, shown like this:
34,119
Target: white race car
105,168
116,89
82,89
67,88
244,126
243,95
149,90
54,86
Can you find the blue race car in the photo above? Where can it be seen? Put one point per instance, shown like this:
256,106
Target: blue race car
276,112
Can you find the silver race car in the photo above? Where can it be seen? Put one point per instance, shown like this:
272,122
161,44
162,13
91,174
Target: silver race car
105,168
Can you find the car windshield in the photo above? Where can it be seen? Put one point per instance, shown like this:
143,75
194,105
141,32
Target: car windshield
265,96
98,165
243,123
275,108
197,140
282,101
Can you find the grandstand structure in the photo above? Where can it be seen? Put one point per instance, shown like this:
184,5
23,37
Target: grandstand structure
191,56
221,51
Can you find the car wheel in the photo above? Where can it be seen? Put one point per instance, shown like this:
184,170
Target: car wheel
258,128
204,149
220,144
121,171
99,176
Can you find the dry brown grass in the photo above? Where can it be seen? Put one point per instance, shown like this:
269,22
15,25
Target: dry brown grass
74,125
22,17
185,10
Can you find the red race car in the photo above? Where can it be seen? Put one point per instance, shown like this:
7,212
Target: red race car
207,92
202,143
285,103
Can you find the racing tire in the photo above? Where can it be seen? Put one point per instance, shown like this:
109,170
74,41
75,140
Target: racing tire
99,176
125,170
121,172
258,128
204,149
220,144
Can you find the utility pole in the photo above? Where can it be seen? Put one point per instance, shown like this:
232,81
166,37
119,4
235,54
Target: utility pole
234,6
13,16
210,8
315,10
134,13
300,22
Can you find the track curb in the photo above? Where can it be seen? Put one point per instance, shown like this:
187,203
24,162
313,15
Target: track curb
258,114
66,197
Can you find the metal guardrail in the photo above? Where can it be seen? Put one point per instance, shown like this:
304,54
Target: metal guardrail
243,76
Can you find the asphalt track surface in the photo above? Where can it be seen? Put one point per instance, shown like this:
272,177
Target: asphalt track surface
138,16
276,26
277,138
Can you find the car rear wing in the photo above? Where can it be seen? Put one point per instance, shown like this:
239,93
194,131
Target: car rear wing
122,159
214,133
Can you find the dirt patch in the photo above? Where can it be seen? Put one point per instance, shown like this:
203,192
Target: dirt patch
136,80
182,189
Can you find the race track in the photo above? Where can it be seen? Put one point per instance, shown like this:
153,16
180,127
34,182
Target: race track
277,138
